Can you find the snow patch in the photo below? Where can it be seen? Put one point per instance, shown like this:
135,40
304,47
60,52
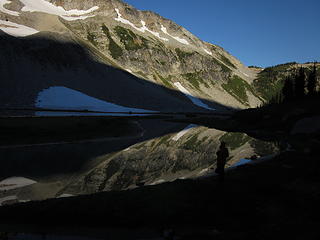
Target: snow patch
64,98
68,18
183,132
8,198
207,51
143,29
158,182
241,162
15,29
195,100
65,195
127,149
7,11
203,171
15,182
181,40
49,8
128,70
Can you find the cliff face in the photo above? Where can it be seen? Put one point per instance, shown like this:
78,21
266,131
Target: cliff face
161,51
139,42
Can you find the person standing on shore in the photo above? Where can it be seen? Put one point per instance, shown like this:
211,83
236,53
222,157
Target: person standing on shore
222,155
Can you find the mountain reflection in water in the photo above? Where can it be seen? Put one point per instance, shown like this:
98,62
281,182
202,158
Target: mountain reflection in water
164,151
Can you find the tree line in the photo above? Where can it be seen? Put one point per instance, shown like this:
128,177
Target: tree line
302,83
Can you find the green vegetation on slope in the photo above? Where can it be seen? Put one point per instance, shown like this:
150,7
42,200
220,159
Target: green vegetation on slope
270,81
182,55
130,40
194,144
166,80
224,68
235,139
226,61
237,87
114,48
286,82
195,79
163,140
263,148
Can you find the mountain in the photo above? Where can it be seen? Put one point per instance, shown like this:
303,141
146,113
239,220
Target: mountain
112,52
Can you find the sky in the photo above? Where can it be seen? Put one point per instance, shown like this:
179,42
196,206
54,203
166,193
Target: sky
257,32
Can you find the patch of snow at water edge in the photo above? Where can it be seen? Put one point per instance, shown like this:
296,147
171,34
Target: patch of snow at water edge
195,100
143,29
241,162
183,132
207,51
204,171
65,195
8,198
128,70
158,182
7,11
15,29
181,40
65,98
49,8
15,182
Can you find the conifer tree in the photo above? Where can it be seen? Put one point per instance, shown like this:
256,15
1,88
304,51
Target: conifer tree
288,90
312,81
299,83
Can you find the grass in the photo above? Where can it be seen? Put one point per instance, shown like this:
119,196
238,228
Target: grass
130,40
195,79
182,55
263,148
237,87
161,62
235,140
193,143
165,80
226,61
114,49
223,67
163,140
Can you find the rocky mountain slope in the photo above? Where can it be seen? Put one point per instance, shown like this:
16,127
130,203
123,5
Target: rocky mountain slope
113,52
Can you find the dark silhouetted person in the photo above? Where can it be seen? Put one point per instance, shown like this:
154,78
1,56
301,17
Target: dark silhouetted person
222,155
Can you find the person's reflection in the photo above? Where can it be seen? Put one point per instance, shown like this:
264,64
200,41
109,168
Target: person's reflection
222,155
